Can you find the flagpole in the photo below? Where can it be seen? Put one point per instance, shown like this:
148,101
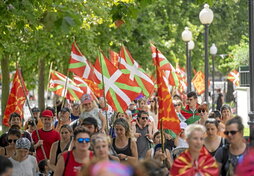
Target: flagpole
30,110
161,120
104,93
65,88
50,68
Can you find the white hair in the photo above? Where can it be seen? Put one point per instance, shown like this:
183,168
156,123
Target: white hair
193,127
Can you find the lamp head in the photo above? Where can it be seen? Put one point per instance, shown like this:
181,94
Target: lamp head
206,15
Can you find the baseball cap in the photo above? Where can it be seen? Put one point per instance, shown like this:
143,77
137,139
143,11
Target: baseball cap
65,109
183,125
47,113
35,109
86,98
23,143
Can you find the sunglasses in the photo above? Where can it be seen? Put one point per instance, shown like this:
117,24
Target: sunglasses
82,140
151,101
144,118
175,105
12,140
231,132
201,110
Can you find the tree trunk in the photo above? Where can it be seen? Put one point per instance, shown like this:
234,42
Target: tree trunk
229,95
41,86
5,84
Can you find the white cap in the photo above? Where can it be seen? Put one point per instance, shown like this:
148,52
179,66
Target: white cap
183,125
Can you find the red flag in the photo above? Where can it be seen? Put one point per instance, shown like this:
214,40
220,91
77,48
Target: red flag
114,58
167,112
58,83
199,82
233,76
205,165
131,68
16,98
168,69
88,86
182,79
79,64
119,89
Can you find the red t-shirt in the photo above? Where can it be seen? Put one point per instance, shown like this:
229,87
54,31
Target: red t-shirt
71,166
48,137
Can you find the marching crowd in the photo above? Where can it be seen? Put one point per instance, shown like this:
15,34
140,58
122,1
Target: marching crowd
90,139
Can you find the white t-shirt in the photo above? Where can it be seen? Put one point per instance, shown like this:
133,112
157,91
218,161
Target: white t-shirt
24,168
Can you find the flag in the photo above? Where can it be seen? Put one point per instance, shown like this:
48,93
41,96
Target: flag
169,70
204,165
199,82
182,77
58,83
119,89
233,76
167,112
114,58
130,67
16,99
79,64
87,86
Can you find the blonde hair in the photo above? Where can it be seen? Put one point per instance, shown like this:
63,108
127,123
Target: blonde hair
100,137
193,127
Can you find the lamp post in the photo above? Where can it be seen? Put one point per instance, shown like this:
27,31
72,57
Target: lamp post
213,52
251,65
191,46
186,37
206,18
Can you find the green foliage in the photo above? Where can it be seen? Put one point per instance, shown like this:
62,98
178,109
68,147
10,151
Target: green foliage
35,29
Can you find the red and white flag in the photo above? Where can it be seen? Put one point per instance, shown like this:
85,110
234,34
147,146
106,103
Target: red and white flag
131,68
118,88
79,64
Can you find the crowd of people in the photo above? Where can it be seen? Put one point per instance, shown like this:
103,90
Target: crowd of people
90,139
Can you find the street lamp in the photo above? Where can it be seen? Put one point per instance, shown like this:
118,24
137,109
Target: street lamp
186,37
213,52
251,65
206,18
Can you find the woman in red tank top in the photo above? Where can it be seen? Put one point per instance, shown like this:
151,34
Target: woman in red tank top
71,162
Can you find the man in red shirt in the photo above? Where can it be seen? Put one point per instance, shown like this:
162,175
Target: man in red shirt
47,136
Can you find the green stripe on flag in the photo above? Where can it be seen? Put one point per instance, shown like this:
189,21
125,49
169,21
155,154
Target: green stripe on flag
56,88
114,98
77,65
128,59
140,83
125,71
60,77
73,94
175,78
104,69
163,62
82,85
127,87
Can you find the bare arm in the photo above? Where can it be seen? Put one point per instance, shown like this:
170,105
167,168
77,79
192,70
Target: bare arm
52,157
134,151
169,158
59,167
148,154
103,121
176,141
150,131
